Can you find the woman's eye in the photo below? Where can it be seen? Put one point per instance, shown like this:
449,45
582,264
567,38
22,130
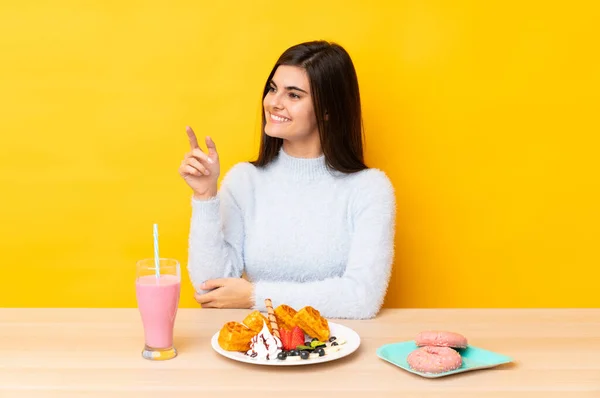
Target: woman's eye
271,88
295,96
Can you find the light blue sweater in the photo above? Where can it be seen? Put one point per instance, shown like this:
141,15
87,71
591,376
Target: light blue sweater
302,233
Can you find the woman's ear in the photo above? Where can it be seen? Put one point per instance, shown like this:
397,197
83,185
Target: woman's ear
326,116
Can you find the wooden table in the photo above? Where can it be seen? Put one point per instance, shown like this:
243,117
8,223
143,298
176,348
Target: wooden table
96,353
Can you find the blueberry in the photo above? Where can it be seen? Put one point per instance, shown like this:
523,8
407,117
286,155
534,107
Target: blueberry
307,343
282,355
304,354
334,343
293,353
320,351
332,339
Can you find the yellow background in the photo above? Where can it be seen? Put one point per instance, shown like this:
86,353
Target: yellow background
483,114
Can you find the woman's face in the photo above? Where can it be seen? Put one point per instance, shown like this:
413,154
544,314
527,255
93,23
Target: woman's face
288,106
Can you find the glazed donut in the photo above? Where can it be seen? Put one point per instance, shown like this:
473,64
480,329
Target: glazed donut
441,339
430,359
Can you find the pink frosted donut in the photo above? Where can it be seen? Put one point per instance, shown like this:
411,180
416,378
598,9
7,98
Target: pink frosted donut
434,359
441,339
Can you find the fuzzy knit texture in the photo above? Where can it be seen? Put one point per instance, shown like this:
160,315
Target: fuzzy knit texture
302,233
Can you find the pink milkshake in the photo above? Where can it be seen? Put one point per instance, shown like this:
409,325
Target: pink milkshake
158,300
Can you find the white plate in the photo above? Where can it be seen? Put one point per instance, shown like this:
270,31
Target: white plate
339,331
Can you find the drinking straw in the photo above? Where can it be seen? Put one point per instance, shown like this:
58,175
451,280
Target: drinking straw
156,257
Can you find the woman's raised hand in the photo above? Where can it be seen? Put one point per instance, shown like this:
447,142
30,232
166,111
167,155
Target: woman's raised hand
201,170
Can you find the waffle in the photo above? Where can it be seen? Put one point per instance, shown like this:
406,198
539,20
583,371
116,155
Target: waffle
255,322
312,323
235,337
285,316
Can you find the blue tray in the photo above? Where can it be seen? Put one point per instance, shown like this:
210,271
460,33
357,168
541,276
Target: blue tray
473,358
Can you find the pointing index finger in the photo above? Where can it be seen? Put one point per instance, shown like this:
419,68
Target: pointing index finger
192,137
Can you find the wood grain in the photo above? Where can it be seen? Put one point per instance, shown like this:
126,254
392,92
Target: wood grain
96,353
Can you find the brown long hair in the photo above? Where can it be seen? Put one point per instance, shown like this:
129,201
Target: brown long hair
335,93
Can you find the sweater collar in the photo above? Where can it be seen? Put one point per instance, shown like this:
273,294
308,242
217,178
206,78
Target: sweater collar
302,168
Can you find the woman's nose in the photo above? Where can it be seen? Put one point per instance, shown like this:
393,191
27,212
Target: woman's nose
275,101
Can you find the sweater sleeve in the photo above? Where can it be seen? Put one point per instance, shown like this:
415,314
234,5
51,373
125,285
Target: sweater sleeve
360,291
217,233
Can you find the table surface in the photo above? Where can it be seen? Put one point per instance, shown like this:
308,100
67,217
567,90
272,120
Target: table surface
97,353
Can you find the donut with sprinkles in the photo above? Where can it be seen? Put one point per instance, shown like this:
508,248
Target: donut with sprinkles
431,359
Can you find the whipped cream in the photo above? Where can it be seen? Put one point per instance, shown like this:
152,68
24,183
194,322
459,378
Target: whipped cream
264,345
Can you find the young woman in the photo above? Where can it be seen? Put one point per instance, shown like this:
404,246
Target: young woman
307,222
